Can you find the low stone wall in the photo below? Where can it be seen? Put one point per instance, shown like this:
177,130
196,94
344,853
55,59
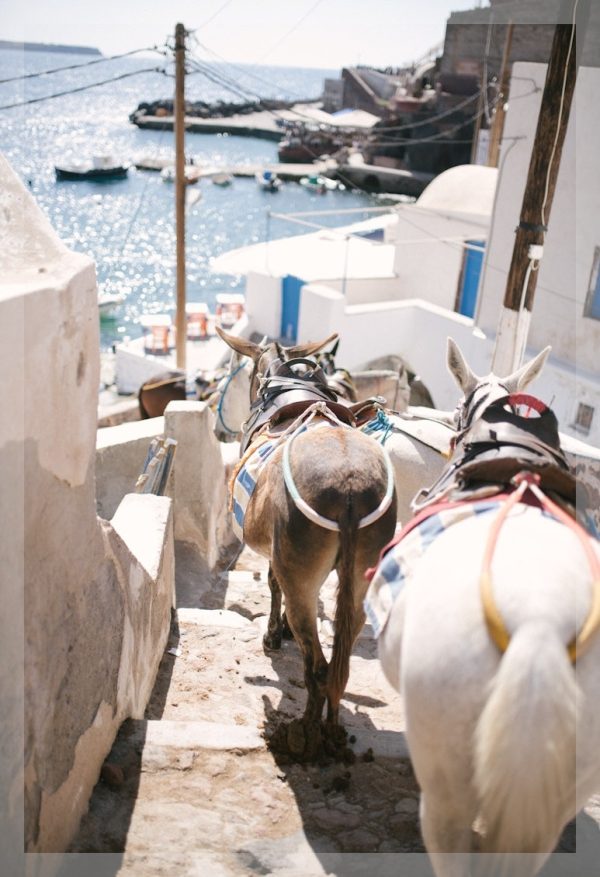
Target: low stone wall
89,601
120,454
200,479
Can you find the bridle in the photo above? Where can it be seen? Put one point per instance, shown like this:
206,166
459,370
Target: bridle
468,409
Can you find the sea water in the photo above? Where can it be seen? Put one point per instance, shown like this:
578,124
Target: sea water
127,226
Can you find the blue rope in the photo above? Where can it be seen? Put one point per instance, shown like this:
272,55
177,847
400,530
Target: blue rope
380,423
228,380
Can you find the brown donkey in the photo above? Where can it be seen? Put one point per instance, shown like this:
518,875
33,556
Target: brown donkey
324,499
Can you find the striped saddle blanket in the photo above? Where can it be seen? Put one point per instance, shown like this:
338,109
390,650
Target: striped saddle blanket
398,564
245,476
244,481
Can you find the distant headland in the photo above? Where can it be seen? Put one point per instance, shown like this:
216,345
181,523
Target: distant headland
49,47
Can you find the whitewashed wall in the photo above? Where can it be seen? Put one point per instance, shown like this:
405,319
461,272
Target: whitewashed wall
573,234
92,603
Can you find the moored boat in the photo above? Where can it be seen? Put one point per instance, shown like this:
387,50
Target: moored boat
222,179
268,181
192,173
317,183
100,167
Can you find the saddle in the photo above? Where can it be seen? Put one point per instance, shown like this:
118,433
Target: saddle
499,445
289,388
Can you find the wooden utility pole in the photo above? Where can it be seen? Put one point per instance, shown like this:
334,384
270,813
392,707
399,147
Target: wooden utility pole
179,125
513,326
500,113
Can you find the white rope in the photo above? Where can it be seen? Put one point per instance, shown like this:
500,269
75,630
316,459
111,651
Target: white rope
302,505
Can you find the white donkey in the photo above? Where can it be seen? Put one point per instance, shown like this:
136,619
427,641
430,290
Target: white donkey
493,736
417,442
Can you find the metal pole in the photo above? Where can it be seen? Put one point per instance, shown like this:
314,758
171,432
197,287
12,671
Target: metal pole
179,126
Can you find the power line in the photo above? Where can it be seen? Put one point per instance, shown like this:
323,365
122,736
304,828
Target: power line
248,73
217,80
290,31
35,100
211,17
77,66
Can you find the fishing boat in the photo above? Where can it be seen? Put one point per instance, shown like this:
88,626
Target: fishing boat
268,181
317,183
305,146
192,173
99,167
222,179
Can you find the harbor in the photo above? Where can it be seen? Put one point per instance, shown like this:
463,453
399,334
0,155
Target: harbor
302,449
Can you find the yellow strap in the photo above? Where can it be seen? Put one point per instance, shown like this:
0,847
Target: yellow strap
495,625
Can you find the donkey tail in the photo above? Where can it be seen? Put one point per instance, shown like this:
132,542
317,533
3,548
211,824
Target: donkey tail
525,744
345,625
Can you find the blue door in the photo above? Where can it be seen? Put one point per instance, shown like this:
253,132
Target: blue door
470,281
290,307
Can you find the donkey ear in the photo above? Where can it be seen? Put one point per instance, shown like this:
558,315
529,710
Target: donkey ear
334,349
458,368
240,345
528,372
311,347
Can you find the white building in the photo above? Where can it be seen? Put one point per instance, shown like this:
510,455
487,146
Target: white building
411,278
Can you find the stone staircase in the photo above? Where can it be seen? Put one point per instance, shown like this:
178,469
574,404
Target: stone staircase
192,788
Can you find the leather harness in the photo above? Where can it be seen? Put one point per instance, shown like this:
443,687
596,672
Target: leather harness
497,446
288,388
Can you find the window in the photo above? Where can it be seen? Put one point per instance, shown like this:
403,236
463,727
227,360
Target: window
592,301
583,418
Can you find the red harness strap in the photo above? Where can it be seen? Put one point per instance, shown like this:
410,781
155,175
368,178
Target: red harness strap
426,513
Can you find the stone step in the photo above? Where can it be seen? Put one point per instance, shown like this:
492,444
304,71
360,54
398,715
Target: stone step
192,789
215,796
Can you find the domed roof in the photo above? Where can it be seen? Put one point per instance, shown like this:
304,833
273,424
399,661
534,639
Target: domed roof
467,189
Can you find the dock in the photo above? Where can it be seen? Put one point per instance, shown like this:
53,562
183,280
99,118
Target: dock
291,172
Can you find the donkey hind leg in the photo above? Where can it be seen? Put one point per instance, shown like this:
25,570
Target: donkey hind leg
272,638
301,584
303,623
286,630
446,829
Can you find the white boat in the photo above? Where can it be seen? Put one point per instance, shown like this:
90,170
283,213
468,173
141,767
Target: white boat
268,181
222,179
191,172
99,167
317,183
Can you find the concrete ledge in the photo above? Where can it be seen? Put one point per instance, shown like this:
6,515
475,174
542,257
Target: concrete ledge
142,521
200,478
120,454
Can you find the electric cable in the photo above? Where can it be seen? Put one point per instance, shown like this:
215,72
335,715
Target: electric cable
85,64
36,100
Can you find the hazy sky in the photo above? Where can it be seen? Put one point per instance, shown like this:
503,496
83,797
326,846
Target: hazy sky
305,33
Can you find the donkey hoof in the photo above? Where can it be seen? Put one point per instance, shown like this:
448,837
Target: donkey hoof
272,640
